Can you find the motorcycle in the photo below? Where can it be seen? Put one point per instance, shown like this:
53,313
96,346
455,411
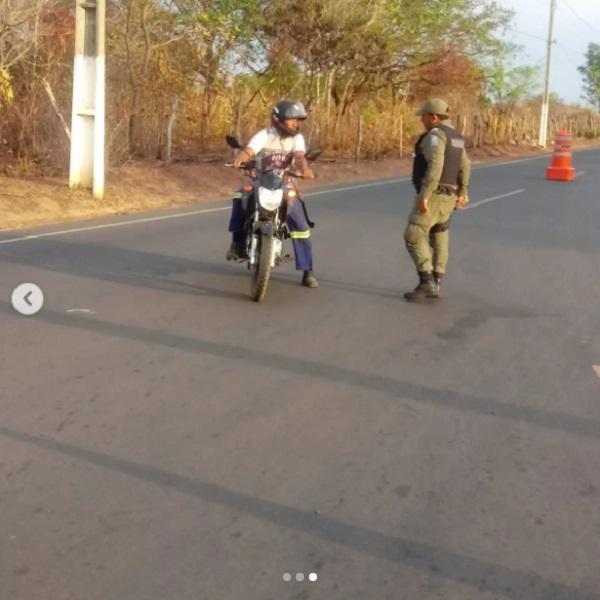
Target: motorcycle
266,231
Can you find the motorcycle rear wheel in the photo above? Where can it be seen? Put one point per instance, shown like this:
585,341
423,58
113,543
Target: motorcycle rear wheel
262,270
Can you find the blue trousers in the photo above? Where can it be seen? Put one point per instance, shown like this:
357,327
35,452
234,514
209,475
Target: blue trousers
297,226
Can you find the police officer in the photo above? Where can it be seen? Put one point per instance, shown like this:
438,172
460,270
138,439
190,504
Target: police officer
441,173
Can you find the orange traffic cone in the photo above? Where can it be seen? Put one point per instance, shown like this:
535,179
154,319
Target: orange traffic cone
561,168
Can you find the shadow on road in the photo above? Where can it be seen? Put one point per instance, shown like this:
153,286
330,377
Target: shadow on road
432,560
120,265
149,269
538,417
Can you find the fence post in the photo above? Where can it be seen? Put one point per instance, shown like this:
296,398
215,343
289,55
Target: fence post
360,137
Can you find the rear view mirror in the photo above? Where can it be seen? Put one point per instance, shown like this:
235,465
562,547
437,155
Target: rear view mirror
233,142
313,154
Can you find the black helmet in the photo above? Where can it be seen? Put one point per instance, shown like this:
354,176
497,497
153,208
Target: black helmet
287,109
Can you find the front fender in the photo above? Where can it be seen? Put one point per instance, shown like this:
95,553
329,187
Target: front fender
265,227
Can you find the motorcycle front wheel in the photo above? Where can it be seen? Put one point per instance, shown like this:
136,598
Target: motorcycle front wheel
261,271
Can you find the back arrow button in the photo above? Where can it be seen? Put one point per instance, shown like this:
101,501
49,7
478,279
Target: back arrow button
27,299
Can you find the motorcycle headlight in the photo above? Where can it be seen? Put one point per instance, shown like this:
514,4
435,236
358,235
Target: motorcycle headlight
270,199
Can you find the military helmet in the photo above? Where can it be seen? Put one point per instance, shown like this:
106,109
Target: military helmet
287,109
434,106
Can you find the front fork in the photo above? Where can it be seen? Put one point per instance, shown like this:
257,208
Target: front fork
252,251
277,246
259,228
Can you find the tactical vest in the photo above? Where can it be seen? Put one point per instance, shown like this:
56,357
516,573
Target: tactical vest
452,158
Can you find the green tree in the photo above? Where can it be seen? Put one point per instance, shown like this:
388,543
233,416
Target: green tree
506,86
220,33
351,50
591,75
470,26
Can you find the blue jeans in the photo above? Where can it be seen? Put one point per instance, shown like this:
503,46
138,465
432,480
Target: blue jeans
297,224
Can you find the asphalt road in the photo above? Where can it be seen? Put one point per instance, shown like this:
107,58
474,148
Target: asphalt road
163,437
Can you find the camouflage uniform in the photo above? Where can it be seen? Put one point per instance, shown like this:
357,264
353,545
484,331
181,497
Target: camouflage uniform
441,174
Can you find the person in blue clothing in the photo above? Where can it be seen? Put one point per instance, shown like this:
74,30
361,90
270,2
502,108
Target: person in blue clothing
279,146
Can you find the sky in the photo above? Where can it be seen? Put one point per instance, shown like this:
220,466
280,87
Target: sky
576,24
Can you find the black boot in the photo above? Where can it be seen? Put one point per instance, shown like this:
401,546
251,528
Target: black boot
309,280
437,278
236,251
426,290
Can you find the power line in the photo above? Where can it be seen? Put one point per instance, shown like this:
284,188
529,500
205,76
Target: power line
541,39
579,16
566,59
560,45
568,50
535,37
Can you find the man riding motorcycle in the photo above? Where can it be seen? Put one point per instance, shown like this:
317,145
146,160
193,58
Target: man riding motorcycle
277,147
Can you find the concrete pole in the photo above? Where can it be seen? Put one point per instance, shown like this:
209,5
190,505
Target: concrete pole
87,121
99,121
546,98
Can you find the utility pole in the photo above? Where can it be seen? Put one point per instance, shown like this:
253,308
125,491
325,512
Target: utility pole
87,121
546,97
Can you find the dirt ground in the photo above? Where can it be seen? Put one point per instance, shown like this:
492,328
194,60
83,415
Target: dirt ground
147,186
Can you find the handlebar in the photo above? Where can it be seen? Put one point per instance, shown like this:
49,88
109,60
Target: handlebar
246,165
251,165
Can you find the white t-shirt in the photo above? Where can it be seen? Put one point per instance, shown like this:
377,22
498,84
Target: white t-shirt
273,151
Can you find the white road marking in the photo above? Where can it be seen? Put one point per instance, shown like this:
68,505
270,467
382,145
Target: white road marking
110,225
512,162
356,187
578,173
85,311
213,210
493,198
